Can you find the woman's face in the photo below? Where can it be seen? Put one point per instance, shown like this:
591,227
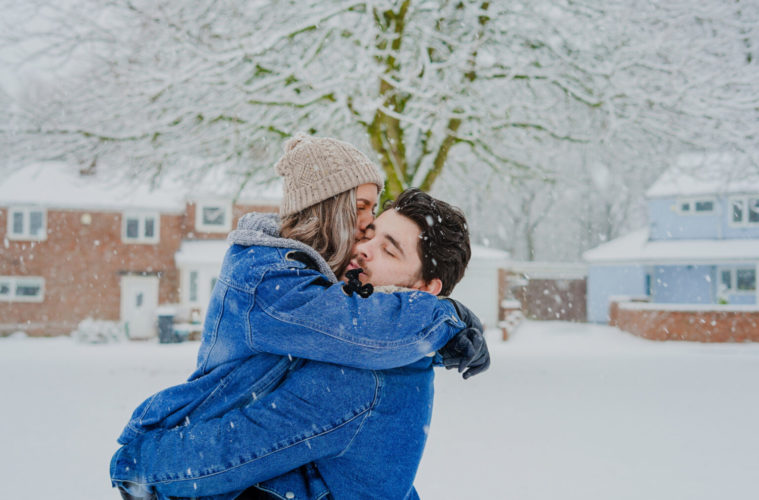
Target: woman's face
366,206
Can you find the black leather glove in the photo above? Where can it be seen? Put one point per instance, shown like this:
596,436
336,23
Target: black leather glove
467,350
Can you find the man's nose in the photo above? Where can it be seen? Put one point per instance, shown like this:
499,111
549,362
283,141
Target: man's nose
363,249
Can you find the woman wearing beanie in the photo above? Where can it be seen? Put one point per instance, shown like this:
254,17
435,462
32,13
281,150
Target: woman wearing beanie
276,303
329,188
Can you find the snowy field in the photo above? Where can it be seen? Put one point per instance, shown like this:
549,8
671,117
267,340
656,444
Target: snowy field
567,411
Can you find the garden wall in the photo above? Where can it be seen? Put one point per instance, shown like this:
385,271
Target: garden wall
713,323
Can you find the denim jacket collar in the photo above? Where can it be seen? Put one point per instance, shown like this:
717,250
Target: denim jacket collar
263,229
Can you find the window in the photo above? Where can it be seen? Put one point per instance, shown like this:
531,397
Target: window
704,206
141,227
193,286
726,279
744,211
738,209
738,280
213,217
27,223
745,280
22,289
696,206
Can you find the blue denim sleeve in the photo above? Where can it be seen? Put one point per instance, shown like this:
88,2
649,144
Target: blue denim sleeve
295,316
314,414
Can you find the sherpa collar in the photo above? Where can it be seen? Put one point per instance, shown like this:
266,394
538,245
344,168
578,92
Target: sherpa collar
263,230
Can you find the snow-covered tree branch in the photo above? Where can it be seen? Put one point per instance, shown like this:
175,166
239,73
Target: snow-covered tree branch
177,88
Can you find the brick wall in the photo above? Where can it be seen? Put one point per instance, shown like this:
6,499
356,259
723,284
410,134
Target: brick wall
665,322
561,299
82,264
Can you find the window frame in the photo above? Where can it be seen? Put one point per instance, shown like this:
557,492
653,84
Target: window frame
14,281
693,201
26,212
733,270
745,199
203,227
141,223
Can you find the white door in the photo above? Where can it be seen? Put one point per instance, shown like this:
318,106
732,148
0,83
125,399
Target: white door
139,300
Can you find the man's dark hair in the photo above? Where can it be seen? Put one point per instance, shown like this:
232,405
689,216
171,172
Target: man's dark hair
444,240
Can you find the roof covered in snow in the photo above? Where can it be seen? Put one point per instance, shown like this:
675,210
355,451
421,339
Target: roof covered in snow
549,270
698,174
636,248
480,252
59,185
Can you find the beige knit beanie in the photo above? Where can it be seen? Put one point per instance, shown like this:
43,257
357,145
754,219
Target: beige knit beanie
316,168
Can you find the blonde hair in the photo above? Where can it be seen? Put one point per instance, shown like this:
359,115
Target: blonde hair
328,227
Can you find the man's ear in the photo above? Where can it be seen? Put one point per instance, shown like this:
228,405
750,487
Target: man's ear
433,286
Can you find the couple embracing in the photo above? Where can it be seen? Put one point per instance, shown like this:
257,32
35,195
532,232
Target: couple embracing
314,376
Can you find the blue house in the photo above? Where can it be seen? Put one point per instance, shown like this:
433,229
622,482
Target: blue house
701,245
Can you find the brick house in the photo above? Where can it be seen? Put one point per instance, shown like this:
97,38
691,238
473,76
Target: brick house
77,246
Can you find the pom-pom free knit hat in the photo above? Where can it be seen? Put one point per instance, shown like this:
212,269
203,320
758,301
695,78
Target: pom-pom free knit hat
316,168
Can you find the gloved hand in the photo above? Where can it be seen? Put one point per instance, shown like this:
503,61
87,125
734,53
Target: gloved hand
467,350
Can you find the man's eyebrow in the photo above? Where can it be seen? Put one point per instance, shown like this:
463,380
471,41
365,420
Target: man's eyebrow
371,226
395,244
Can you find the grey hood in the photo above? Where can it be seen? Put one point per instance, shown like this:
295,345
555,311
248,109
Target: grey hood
263,230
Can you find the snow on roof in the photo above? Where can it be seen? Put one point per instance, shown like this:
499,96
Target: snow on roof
698,174
217,183
59,185
486,253
648,306
549,270
636,248
201,252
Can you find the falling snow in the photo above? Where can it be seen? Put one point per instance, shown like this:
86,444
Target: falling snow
560,400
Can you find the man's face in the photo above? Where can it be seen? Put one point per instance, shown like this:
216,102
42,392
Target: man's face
390,254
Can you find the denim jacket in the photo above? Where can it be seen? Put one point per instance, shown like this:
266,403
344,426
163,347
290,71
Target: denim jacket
268,306
357,433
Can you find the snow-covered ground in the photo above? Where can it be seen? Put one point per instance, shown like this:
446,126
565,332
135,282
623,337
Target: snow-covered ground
567,411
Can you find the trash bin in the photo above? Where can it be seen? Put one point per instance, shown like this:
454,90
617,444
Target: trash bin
166,325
